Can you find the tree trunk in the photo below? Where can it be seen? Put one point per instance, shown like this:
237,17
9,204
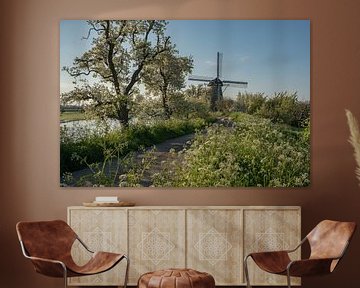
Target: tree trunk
123,115
167,111
122,112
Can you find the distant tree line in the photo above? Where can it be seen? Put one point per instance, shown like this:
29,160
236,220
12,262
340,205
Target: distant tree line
282,107
71,108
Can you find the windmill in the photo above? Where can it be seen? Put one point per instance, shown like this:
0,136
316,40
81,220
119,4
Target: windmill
217,84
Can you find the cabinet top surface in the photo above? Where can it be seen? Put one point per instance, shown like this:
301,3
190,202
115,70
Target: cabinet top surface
192,207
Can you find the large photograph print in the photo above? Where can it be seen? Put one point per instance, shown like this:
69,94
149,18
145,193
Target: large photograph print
185,103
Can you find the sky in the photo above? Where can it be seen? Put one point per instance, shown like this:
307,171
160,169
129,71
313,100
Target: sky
271,55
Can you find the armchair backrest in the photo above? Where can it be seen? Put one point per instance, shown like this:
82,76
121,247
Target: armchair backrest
329,239
46,239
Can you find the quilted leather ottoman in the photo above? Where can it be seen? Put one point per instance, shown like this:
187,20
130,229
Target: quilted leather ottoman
176,278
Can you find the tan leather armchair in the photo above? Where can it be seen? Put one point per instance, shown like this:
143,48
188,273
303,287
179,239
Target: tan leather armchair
328,242
48,245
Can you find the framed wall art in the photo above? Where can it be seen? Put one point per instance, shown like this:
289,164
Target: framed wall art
185,103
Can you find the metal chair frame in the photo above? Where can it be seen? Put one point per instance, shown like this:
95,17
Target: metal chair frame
23,249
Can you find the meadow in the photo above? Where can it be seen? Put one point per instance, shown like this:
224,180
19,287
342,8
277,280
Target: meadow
248,151
253,141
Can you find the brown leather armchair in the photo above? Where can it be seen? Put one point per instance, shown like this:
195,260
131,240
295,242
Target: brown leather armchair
328,242
48,245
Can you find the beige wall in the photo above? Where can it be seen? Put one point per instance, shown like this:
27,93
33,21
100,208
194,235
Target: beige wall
29,118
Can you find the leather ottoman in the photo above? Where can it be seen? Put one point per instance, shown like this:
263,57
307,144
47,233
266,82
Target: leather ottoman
176,278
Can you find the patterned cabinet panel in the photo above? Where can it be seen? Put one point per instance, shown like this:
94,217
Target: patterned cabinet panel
214,244
210,239
271,229
101,230
156,240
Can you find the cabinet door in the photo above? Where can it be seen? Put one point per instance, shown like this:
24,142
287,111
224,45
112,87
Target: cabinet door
156,240
214,244
101,230
269,230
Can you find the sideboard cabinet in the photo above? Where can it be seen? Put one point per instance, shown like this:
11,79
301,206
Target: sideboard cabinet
212,239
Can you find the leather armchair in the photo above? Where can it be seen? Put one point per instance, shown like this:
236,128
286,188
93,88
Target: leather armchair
48,245
328,242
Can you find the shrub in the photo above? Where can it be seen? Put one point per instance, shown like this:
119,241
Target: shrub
253,152
250,102
89,145
281,108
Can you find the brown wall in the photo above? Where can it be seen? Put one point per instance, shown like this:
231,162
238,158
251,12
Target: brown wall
29,119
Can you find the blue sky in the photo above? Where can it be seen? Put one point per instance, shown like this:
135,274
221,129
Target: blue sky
272,55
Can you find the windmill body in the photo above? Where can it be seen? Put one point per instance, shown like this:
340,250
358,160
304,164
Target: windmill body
217,84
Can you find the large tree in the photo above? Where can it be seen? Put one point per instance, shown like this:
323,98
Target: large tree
166,75
120,51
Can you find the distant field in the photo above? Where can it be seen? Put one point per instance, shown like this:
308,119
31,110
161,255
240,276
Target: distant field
71,116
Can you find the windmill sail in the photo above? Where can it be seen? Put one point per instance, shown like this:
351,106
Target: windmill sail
200,78
234,82
235,85
220,60
238,84
216,84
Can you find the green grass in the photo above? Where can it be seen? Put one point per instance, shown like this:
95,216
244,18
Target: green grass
93,147
72,116
253,153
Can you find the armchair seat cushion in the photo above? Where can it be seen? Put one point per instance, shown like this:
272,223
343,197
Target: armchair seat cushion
272,262
99,262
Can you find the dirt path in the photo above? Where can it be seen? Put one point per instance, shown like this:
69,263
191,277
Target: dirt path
162,153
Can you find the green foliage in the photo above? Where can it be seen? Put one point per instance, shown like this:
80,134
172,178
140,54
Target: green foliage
281,108
184,107
119,52
307,130
87,146
166,75
72,116
252,152
250,102
225,105
148,110
197,92
90,147
106,172
136,170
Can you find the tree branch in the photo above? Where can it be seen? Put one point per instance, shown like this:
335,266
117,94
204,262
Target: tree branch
110,56
93,28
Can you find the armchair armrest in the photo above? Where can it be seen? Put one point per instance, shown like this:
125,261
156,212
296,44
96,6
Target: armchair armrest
314,266
49,267
279,252
298,246
83,244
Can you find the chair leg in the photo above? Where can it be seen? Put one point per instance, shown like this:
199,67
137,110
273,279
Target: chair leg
127,271
65,276
288,278
246,270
